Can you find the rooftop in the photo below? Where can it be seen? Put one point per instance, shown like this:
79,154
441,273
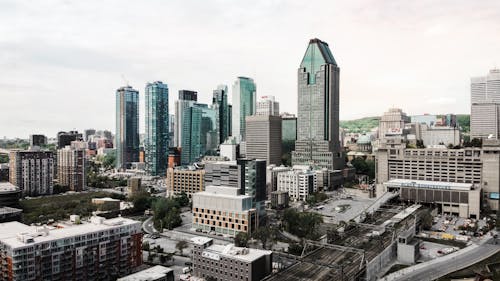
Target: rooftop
9,231
201,240
233,252
8,187
152,273
9,210
430,184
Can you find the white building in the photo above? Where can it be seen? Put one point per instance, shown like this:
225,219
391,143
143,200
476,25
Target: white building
485,105
268,106
439,135
299,183
155,273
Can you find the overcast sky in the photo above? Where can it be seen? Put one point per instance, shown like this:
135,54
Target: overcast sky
61,61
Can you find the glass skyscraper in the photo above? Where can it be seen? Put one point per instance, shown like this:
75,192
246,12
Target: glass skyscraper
223,116
191,134
157,128
244,92
186,99
318,109
127,127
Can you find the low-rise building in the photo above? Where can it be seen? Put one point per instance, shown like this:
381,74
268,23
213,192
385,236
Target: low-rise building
9,194
155,273
229,262
10,214
187,179
279,199
299,183
99,250
223,210
106,204
272,176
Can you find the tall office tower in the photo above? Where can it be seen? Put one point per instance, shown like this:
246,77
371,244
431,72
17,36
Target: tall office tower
230,122
71,168
264,138
171,129
88,133
209,132
157,119
38,140
186,100
32,171
288,134
65,138
485,106
252,181
127,127
318,109
244,91
221,107
392,122
268,106
191,134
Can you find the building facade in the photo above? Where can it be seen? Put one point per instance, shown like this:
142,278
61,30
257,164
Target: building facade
191,135
71,168
318,109
244,100
185,179
157,128
392,122
38,140
485,105
263,139
186,100
100,250
32,171
223,117
223,210
127,127
299,183
65,138
267,105
229,263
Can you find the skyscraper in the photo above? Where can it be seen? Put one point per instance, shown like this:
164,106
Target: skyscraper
268,106
32,171
318,109
191,134
157,121
264,138
485,105
186,100
221,107
244,91
127,127
71,168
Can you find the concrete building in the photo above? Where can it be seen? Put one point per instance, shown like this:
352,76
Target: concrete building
134,186
267,106
32,171
230,149
65,138
187,179
263,138
428,119
272,172
408,247
432,136
462,199
299,183
8,214
71,168
229,263
244,100
392,122
157,128
223,210
9,194
485,105
127,127
106,204
99,250
224,173
155,273
478,166
318,109
280,199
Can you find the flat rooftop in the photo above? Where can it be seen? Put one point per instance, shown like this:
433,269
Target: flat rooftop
200,240
9,210
8,187
9,231
430,184
152,273
233,252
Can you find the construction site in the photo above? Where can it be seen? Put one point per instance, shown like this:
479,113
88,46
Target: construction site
352,250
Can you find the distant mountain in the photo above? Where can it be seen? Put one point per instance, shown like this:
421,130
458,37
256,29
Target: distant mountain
368,123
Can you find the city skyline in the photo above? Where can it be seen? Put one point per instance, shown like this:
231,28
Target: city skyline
422,56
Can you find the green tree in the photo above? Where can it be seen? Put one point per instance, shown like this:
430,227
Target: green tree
109,161
241,239
303,224
4,158
295,249
142,201
426,220
263,234
181,245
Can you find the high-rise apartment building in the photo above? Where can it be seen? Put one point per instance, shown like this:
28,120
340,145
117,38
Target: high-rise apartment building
267,105
88,133
65,138
157,133
244,99
187,179
186,100
318,109
264,138
223,116
38,140
127,127
71,168
99,250
32,171
485,106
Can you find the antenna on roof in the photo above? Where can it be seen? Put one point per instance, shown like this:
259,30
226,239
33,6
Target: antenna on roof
125,80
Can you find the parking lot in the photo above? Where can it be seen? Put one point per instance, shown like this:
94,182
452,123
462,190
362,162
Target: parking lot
448,224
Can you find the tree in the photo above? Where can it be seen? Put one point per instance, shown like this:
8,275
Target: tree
4,158
141,201
181,245
262,234
241,239
426,220
109,161
182,199
304,225
295,249
145,246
